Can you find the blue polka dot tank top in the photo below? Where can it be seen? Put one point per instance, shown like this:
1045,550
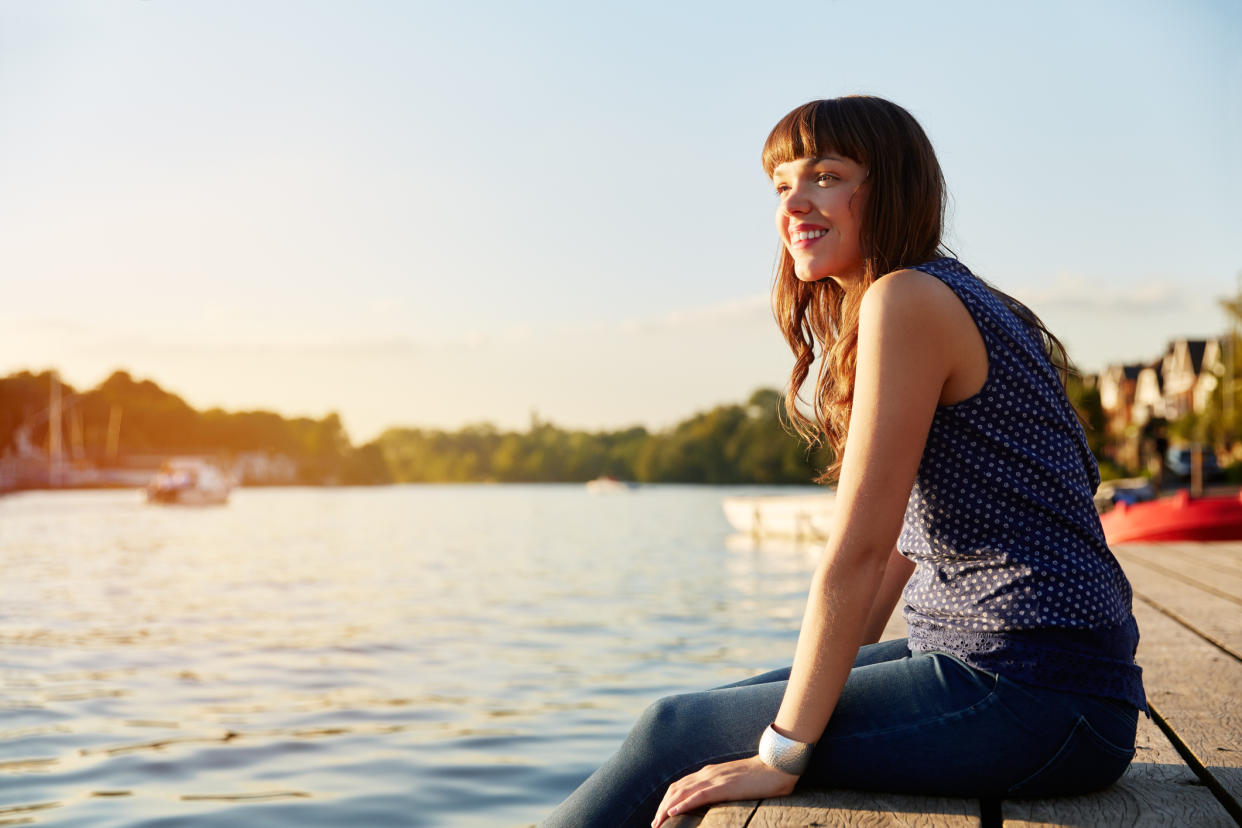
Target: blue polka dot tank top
1012,574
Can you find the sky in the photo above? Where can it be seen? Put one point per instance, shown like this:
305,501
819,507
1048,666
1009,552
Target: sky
433,214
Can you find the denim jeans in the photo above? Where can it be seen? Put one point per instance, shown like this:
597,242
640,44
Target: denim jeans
906,722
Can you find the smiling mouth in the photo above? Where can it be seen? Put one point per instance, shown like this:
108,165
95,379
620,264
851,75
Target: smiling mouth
807,235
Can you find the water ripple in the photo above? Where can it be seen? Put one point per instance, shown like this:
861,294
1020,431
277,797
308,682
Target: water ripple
435,655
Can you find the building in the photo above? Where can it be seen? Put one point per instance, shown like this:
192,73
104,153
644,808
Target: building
1117,385
1180,369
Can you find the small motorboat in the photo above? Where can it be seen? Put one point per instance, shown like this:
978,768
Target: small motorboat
189,482
608,484
803,517
1179,517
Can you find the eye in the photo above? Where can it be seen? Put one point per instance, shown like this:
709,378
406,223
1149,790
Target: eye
825,178
781,189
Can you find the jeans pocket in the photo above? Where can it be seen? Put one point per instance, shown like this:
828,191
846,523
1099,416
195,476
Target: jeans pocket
1085,762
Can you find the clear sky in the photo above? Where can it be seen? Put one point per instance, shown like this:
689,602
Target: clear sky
438,213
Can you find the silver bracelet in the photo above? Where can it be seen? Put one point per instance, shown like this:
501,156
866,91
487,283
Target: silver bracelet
784,754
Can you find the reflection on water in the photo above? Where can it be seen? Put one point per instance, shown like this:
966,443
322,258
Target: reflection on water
434,655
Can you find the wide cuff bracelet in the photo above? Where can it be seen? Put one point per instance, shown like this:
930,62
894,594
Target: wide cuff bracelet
784,754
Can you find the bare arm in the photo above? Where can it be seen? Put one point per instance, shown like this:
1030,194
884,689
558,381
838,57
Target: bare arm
905,356
896,574
915,341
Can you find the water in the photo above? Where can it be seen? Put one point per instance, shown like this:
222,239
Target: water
416,655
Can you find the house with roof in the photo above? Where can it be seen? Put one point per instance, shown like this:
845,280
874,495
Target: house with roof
1179,382
1212,372
1180,369
1149,393
1117,385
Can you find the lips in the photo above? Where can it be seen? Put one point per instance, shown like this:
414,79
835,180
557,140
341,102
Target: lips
805,235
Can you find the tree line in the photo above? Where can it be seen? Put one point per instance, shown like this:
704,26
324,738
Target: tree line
735,443
151,422
738,443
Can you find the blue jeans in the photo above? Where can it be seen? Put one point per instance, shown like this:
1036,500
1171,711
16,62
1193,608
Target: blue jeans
906,722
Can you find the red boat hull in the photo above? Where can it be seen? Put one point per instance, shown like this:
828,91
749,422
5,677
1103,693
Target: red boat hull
1176,518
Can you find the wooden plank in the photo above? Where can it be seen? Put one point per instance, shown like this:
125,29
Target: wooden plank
723,815
1225,555
1189,565
1158,789
1191,683
1211,615
865,808
1195,688
1216,565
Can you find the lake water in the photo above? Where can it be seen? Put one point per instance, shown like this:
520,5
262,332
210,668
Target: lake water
412,655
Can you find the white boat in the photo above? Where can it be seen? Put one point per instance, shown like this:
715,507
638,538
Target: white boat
189,481
608,485
802,517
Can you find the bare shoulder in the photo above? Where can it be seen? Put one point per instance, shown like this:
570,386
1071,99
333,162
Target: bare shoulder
913,294
917,314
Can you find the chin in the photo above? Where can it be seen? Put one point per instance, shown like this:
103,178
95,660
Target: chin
810,277
805,274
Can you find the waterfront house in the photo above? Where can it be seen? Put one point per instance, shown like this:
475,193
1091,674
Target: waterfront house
1117,385
1212,371
1179,370
1148,393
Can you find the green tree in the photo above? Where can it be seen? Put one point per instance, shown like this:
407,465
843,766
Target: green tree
1086,401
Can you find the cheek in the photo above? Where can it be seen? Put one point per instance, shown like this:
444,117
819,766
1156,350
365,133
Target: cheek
780,230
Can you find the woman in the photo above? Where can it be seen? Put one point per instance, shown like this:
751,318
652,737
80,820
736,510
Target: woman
965,480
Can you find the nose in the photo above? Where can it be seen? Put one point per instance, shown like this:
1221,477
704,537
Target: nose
795,202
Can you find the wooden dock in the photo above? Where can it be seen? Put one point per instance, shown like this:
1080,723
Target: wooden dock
1188,769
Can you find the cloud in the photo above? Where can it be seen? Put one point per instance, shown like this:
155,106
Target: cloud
1075,292
67,336
745,309
381,347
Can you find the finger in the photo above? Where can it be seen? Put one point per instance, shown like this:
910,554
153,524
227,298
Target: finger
702,791
670,797
676,794
668,809
697,798
661,814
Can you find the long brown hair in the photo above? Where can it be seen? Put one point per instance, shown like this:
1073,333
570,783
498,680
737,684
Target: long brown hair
902,220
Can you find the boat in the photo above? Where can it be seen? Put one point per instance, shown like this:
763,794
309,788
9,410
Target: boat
189,481
1128,490
1179,517
608,485
802,517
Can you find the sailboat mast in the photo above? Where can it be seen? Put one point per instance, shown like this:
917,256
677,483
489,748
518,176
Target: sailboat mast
55,451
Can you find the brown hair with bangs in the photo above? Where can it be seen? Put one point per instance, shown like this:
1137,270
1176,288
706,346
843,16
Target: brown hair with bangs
901,224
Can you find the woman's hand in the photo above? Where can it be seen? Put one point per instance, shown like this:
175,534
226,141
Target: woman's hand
741,779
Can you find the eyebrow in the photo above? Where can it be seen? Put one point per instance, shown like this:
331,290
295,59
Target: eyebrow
813,160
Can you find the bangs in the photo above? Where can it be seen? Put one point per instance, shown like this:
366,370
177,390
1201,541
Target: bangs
812,130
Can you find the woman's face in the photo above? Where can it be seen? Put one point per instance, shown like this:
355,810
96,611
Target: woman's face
818,219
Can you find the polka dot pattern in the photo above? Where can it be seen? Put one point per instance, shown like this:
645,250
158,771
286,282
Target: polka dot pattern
1013,573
